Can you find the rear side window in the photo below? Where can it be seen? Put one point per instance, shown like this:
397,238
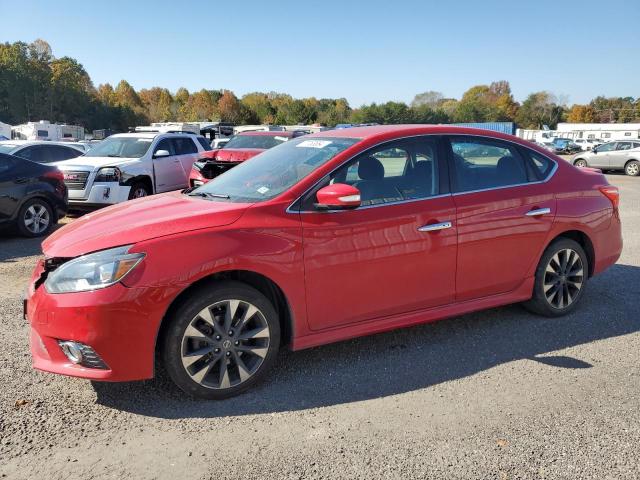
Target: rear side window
59,153
40,154
204,143
481,164
624,146
183,146
542,166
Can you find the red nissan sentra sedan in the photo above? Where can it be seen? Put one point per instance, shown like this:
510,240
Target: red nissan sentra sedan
323,238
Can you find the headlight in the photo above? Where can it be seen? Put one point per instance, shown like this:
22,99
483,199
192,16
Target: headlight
109,174
93,271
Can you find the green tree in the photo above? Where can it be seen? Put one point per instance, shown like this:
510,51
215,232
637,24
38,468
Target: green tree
539,109
71,92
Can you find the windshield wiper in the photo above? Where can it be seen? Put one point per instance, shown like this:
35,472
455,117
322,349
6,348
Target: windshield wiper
208,195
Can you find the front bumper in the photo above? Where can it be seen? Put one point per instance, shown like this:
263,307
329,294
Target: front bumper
99,194
118,322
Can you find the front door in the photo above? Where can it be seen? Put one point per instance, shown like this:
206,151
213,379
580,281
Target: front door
504,213
385,257
601,157
167,170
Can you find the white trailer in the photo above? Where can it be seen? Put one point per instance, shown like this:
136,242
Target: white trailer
165,127
605,132
42,130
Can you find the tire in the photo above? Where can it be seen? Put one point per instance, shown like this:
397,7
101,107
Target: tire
139,190
206,355
632,168
35,218
572,286
580,162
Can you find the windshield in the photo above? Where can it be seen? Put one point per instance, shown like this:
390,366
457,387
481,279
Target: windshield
124,147
255,141
272,172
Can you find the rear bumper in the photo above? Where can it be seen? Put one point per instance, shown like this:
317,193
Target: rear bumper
608,245
118,322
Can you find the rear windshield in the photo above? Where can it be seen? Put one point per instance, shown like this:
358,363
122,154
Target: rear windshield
255,141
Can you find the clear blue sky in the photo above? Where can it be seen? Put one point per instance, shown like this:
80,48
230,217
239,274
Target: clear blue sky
362,50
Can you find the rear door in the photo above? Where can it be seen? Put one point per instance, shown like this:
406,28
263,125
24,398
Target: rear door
382,258
619,157
504,213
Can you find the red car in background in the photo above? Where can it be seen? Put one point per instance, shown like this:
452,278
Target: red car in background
240,148
327,237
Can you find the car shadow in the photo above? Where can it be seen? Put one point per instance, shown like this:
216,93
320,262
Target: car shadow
407,359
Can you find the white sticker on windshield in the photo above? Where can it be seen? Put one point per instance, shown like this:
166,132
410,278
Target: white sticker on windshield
262,190
281,139
314,143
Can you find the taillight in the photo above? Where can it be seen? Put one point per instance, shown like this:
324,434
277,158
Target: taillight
55,174
612,193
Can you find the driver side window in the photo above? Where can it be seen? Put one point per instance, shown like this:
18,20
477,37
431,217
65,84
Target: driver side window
164,144
405,170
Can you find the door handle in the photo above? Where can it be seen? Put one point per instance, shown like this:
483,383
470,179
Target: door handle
538,212
434,227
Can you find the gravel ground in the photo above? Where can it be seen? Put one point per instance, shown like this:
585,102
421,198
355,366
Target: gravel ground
498,394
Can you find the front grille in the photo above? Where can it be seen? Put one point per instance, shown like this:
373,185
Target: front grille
75,179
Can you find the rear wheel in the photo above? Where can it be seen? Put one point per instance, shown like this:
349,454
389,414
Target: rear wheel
221,341
35,218
560,279
581,162
632,168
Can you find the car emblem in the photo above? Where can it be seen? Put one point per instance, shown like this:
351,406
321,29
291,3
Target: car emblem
226,344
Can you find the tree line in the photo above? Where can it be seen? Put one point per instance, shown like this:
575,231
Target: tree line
36,85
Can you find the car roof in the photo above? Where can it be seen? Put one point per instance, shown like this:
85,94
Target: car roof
266,134
21,143
395,131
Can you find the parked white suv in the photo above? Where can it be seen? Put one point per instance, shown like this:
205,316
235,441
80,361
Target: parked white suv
131,165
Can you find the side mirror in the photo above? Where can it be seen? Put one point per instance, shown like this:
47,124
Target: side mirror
161,153
594,149
338,196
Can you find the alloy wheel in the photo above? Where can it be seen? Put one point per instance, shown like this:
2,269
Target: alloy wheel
633,169
37,218
580,163
225,344
563,278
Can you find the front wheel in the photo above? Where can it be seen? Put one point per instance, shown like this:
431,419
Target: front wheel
221,340
560,279
139,190
580,162
632,168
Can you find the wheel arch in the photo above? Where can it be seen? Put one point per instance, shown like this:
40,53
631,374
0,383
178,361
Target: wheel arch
584,241
146,179
40,196
260,282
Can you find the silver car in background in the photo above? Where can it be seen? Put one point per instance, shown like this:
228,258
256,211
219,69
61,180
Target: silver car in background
617,155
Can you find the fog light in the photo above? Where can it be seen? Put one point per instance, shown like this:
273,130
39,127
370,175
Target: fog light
81,354
73,351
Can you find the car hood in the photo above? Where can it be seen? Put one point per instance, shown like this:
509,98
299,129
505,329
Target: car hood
92,163
234,154
138,220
